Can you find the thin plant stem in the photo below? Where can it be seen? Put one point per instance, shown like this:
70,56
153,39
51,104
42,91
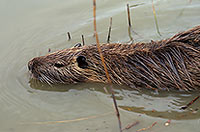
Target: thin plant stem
69,36
83,40
104,65
129,24
155,18
109,31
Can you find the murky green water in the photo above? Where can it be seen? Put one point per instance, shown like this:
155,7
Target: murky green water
29,28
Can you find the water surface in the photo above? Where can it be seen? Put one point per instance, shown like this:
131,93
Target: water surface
30,28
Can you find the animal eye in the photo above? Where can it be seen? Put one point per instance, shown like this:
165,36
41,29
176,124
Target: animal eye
58,65
82,63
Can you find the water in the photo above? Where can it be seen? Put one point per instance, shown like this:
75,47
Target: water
30,28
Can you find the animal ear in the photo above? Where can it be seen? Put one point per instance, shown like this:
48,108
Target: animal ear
78,45
82,62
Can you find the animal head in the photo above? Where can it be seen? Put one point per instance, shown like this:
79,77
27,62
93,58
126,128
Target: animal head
77,64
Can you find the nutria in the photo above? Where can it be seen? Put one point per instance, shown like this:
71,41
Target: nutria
172,63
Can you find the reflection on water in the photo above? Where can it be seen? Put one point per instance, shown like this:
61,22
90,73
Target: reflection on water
30,28
163,105
160,104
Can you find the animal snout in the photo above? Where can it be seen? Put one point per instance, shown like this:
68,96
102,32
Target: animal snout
30,65
33,63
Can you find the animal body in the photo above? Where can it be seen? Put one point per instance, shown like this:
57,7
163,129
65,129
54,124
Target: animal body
173,63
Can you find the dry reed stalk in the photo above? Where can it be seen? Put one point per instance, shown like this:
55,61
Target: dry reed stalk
149,127
83,40
131,125
104,65
109,31
68,121
155,18
69,36
136,5
191,102
129,23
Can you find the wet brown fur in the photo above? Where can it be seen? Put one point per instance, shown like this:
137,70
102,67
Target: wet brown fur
173,63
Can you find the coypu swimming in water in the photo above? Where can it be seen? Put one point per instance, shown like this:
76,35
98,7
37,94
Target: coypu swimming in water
173,63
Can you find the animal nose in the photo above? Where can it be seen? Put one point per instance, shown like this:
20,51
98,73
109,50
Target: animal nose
33,63
30,65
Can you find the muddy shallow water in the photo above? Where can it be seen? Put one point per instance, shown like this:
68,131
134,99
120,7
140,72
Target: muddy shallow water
30,28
